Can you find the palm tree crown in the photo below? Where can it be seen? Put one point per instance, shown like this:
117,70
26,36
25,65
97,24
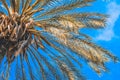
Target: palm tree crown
37,34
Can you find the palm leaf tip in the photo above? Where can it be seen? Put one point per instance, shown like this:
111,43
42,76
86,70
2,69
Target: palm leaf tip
27,29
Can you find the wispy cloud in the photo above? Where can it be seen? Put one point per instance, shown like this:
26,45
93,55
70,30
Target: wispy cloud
114,12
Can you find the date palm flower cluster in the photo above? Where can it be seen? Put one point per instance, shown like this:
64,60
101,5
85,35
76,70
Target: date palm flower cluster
41,39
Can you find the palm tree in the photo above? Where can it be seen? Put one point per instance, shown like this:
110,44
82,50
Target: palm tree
41,39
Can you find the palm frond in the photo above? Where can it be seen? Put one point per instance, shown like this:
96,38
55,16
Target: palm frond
69,6
47,43
6,6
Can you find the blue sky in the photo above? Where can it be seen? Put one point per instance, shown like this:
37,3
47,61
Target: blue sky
109,38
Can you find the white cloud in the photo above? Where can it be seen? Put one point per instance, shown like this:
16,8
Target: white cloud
114,12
